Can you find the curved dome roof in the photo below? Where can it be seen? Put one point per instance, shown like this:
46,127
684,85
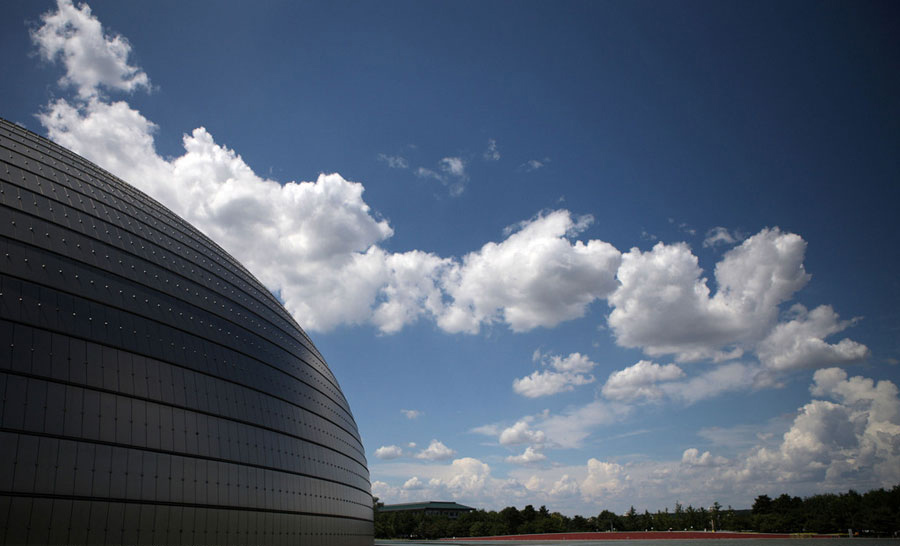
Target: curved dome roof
154,390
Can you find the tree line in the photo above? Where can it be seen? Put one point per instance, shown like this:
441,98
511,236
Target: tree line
875,513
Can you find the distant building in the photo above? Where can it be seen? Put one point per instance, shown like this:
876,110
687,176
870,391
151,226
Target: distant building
433,508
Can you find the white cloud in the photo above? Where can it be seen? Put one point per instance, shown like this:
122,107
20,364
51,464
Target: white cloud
317,243
466,479
413,483
92,58
536,277
648,381
574,363
640,381
564,430
533,165
730,377
879,400
529,456
453,174
799,343
569,428
394,161
692,457
521,433
492,154
487,430
603,478
568,374
410,289
436,451
453,166
422,172
850,441
546,383
389,452
719,236
411,413
663,305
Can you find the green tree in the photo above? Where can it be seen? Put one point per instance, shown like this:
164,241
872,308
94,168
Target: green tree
511,518
608,521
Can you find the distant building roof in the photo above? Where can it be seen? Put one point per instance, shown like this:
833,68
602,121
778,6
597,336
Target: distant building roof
427,506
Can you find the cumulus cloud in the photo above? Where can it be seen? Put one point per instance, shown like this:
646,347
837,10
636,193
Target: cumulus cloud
650,382
491,153
566,429
436,451
521,433
692,457
640,381
603,478
800,342
389,452
317,243
848,438
413,483
92,58
564,374
536,277
529,456
852,440
466,478
545,383
663,305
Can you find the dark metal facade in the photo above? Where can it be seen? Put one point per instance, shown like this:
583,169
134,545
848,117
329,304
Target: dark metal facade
153,391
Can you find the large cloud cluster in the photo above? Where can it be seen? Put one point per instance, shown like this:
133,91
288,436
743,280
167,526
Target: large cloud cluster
317,243
664,306
320,247
848,436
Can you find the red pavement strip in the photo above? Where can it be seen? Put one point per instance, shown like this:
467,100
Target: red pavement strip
641,535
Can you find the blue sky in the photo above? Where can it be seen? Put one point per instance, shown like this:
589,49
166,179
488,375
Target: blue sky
581,254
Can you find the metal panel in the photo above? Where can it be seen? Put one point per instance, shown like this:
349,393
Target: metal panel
151,386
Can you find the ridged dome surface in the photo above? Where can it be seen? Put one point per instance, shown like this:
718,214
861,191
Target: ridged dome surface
154,392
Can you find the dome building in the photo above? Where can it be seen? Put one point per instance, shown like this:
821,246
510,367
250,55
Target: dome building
153,391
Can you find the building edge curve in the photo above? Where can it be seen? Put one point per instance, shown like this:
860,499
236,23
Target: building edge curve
153,391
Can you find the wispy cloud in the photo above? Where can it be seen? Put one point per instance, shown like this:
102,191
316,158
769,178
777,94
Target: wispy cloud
394,161
491,153
411,413
719,236
534,164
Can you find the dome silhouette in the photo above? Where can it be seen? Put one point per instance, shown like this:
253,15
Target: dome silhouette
153,391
